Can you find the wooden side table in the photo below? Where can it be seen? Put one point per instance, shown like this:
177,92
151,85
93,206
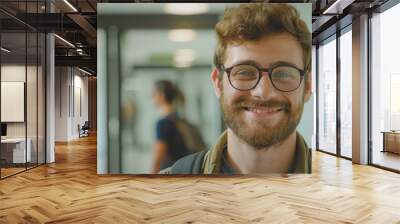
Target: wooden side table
391,141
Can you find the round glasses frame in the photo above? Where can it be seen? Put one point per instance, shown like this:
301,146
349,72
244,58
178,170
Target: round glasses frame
260,71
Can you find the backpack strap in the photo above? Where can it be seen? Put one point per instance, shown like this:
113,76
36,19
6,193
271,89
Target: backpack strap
191,164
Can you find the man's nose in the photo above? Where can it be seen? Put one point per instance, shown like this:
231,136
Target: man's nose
265,89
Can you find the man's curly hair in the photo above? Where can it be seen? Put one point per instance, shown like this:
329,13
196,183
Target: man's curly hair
253,21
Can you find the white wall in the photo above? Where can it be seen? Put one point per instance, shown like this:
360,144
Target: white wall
79,117
13,73
16,73
33,126
71,87
61,103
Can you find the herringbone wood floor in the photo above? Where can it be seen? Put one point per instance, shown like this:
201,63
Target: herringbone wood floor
70,191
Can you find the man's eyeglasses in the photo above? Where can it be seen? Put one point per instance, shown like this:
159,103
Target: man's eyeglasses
284,77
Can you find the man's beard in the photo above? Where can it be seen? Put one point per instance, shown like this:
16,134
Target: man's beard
259,134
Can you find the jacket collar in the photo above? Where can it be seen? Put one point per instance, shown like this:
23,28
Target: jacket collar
212,159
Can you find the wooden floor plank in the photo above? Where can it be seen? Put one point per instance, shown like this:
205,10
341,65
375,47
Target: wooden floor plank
70,191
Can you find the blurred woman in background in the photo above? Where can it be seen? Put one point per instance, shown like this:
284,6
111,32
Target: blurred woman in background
169,145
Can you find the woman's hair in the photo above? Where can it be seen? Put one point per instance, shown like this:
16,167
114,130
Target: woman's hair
172,94
253,21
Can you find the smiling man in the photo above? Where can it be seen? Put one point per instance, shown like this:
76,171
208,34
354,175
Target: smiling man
262,79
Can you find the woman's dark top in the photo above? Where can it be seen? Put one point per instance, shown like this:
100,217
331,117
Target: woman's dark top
167,131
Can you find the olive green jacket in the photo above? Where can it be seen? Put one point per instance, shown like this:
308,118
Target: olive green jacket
212,159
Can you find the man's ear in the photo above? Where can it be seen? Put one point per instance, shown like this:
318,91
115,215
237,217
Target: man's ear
307,87
217,82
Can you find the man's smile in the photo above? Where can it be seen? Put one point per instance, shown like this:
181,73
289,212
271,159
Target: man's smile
263,109
263,112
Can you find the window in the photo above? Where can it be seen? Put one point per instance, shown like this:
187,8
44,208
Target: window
346,93
385,89
22,77
327,96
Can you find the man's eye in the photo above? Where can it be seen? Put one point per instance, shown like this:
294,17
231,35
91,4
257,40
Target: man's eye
284,75
245,74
